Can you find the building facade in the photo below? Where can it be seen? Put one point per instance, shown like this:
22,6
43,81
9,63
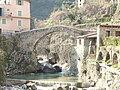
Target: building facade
108,53
14,15
107,31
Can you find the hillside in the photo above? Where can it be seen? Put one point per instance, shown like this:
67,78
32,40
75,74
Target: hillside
69,14
41,9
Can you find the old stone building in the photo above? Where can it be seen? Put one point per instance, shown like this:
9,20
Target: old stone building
108,52
86,44
107,31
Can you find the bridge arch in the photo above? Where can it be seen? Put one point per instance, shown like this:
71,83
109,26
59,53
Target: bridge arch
54,29
115,59
107,57
100,56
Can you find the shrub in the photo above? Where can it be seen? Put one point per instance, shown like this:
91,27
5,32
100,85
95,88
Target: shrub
114,41
115,66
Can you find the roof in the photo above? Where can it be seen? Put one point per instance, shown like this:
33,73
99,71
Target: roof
111,26
90,35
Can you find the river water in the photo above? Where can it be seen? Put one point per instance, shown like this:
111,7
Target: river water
45,77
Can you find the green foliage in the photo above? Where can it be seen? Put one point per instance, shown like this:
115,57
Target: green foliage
106,19
55,55
113,41
92,57
115,66
107,62
71,14
7,59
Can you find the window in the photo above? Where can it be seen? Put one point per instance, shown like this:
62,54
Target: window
19,2
0,31
5,1
79,41
1,11
117,33
4,21
19,13
107,33
19,23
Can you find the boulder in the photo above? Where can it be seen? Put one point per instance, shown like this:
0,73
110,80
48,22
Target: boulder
60,88
34,87
74,88
30,69
58,68
48,69
79,84
66,87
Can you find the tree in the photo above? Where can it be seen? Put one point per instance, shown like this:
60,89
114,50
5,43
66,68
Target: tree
2,73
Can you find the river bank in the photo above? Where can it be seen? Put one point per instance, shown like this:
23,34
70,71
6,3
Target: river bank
14,84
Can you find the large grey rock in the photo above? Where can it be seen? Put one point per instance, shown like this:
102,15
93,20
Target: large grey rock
58,68
79,84
34,87
60,88
47,69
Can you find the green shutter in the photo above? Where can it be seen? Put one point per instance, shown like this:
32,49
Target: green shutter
22,1
2,11
19,13
16,2
3,21
19,23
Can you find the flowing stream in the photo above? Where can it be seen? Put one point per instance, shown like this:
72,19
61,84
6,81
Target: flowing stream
45,77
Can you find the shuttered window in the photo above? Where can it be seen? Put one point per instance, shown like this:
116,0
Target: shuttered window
19,2
19,23
117,33
1,11
19,13
4,21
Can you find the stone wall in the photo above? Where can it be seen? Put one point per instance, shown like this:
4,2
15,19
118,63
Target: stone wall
107,77
109,53
105,71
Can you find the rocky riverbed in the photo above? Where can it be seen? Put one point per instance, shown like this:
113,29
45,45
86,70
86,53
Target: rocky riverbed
44,85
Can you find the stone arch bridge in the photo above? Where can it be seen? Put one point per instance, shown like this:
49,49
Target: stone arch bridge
26,44
29,39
